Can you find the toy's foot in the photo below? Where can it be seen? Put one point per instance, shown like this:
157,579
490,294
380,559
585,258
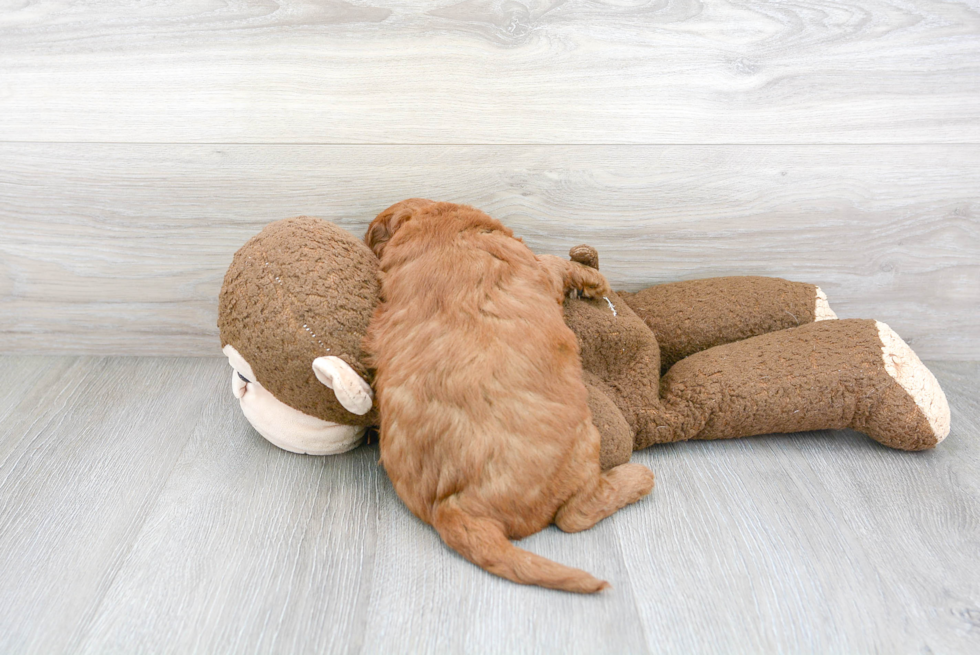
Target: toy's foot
911,412
821,308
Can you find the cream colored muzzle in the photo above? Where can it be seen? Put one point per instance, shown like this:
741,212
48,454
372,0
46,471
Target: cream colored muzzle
291,429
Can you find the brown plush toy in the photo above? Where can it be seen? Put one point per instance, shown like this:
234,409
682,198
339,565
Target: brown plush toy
742,355
293,309
745,356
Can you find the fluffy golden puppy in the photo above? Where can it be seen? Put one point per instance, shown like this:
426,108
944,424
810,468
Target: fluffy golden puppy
485,430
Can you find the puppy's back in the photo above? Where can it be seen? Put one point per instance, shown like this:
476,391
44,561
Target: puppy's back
485,430
474,361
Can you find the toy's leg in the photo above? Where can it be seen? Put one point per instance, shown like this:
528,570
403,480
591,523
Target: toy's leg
688,317
610,491
829,375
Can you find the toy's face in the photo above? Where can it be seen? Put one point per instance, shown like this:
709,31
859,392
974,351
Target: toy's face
293,310
291,429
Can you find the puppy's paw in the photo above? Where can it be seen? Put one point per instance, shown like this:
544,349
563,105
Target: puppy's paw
585,281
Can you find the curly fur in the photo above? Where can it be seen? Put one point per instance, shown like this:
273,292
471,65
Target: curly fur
485,429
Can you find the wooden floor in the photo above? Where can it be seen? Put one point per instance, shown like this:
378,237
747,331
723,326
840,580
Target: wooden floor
140,513
142,143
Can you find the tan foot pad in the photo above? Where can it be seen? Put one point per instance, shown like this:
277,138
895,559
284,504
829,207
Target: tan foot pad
904,367
821,308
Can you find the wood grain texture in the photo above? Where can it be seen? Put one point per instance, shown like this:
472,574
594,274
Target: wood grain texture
491,71
428,599
824,542
83,457
249,548
140,513
143,143
122,248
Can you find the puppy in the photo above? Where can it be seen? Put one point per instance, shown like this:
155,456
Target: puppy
485,431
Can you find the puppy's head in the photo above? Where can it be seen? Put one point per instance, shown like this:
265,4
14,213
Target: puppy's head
385,224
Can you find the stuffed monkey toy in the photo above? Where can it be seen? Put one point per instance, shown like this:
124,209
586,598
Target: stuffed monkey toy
294,306
740,356
744,356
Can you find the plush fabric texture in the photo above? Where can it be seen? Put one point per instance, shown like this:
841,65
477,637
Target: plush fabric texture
819,376
744,354
688,317
616,446
745,373
621,364
300,289
824,375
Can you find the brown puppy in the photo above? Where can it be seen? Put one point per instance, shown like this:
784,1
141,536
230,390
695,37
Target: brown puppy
485,430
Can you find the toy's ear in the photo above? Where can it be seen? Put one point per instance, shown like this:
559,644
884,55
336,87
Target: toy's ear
351,390
385,224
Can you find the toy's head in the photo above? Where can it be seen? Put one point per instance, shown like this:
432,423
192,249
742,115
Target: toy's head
293,309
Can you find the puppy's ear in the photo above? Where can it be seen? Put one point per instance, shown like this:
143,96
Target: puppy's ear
384,226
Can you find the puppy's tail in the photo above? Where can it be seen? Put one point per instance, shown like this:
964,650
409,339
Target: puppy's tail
483,542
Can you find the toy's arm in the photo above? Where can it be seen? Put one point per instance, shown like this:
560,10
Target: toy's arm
617,437
688,317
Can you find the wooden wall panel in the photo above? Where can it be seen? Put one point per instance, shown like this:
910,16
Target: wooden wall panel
121,248
491,72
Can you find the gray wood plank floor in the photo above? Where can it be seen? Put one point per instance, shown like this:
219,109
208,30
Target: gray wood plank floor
140,513
143,143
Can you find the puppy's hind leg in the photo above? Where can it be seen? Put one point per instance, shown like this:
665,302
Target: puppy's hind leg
609,492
